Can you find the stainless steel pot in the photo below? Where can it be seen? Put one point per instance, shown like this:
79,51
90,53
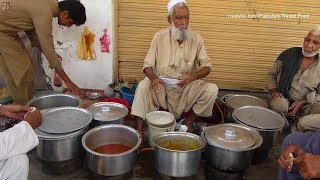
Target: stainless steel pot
54,100
233,101
177,163
107,113
60,147
111,164
265,121
68,125
230,146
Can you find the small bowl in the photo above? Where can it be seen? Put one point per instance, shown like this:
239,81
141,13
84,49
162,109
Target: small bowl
93,95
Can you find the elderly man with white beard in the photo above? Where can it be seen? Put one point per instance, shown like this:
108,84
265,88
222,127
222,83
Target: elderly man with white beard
174,66
294,83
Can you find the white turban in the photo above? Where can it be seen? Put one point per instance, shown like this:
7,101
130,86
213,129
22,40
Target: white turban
174,2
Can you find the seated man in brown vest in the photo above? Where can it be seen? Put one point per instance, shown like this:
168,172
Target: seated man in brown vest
294,83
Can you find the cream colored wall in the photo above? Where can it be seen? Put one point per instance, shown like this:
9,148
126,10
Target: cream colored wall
90,74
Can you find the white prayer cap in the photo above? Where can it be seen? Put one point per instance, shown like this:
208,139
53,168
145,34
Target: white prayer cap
174,2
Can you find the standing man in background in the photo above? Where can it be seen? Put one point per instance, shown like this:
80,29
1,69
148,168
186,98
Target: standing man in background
34,17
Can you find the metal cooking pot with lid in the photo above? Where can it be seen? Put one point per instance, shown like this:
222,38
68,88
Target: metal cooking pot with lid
60,133
107,113
264,120
231,146
233,101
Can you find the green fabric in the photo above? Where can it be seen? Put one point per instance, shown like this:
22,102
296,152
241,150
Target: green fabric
291,60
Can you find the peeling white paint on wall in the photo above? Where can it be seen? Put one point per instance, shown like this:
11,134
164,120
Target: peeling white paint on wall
88,74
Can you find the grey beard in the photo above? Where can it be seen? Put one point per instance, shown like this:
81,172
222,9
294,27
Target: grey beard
178,34
308,55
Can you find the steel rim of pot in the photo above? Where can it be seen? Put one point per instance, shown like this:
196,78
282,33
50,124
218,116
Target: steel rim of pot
194,136
55,137
52,95
84,144
223,98
260,129
259,138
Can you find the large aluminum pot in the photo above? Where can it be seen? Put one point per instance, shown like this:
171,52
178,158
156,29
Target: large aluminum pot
265,121
230,146
60,133
54,100
107,113
111,164
177,154
59,147
233,101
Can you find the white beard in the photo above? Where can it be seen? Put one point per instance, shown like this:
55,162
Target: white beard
179,34
308,54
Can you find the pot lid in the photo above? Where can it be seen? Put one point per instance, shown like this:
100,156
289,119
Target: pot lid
160,117
108,111
236,101
259,117
230,136
64,119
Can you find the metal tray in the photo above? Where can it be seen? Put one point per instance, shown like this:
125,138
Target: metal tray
64,119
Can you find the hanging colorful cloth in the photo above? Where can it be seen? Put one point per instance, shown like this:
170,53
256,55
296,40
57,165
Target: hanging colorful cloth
105,42
85,49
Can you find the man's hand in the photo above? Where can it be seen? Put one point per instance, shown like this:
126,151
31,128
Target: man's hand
34,118
309,165
295,107
157,84
14,111
284,160
186,79
75,89
275,93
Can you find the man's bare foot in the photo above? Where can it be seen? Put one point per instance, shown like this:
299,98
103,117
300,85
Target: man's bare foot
189,125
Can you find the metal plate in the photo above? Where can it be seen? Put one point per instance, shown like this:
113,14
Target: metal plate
108,111
239,100
259,117
64,119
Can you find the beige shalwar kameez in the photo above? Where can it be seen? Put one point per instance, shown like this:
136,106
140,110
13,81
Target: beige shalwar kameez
171,60
35,18
305,86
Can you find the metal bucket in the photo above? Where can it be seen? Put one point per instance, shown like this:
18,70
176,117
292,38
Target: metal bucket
111,164
233,101
230,146
184,162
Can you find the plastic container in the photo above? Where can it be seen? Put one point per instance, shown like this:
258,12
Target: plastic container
117,100
127,94
159,122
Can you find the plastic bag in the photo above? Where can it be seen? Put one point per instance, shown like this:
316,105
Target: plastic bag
85,49
105,42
